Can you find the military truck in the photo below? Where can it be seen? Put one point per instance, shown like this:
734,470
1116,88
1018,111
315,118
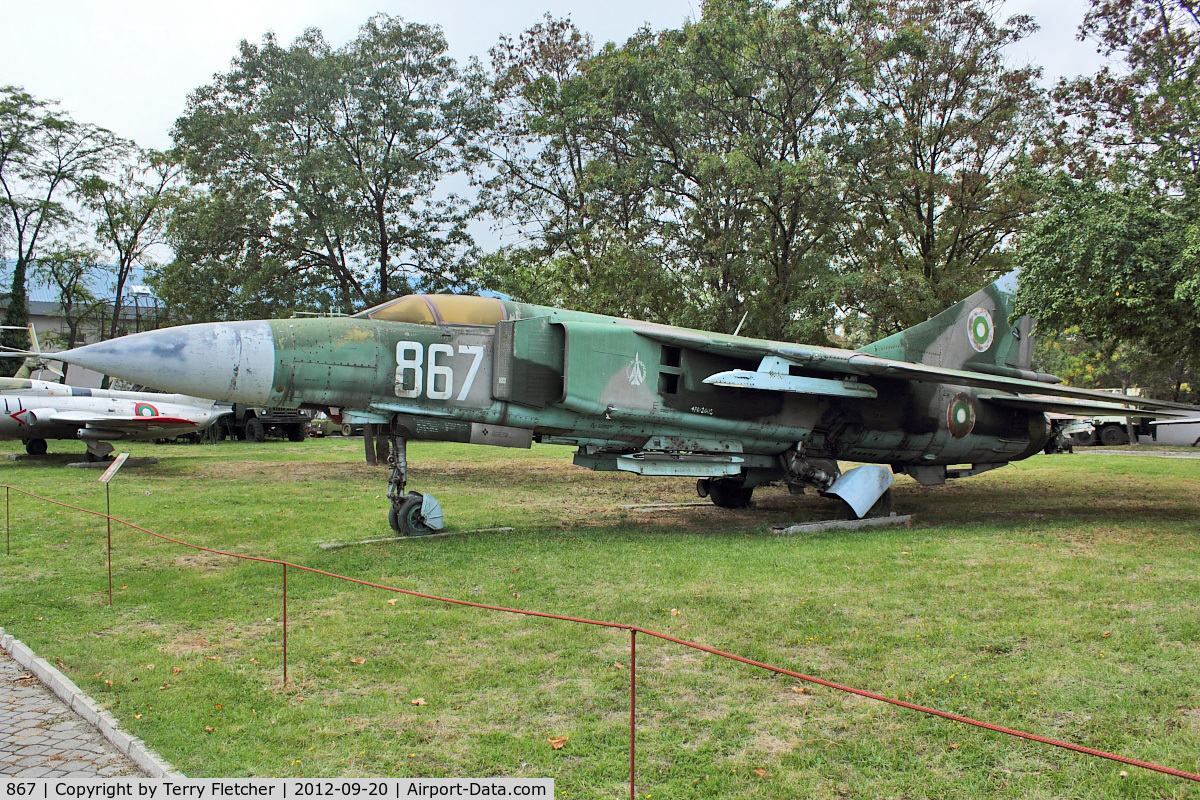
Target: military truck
1112,431
256,423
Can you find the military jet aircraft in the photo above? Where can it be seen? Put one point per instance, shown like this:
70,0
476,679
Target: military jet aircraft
35,411
952,397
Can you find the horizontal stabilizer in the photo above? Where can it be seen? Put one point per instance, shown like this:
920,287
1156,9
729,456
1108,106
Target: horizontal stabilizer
1056,405
1183,421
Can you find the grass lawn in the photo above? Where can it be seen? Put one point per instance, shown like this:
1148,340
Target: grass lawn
1060,596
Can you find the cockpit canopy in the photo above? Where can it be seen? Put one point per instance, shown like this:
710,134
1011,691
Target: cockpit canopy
438,309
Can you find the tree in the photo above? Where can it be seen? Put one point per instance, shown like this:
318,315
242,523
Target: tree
686,175
1110,263
131,211
70,270
331,161
1114,251
804,164
938,144
43,156
228,264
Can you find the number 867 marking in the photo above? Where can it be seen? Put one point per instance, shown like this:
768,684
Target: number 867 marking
417,374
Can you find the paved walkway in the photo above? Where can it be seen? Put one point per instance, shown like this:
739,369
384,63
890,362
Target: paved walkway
40,737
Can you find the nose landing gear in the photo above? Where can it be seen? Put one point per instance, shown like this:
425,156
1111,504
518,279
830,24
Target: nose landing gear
412,513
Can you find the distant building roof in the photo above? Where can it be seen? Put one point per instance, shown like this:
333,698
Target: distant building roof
43,296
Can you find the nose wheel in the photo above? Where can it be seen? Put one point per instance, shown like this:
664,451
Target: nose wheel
414,517
411,513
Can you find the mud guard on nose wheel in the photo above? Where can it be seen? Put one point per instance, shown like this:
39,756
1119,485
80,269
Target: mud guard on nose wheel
417,515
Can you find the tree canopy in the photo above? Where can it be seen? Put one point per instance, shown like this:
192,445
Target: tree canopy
1114,249
317,171
804,164
44,156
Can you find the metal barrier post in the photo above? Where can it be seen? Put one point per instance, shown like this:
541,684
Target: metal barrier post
106,478
632,705
108,519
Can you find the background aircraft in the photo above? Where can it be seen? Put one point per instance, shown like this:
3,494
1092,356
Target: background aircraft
952,397
35,411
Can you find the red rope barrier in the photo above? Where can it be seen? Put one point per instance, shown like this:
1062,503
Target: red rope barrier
633,630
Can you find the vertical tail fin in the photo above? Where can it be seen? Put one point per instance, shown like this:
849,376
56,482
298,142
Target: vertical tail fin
974,334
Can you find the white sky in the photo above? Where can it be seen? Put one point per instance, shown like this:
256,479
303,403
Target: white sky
129,65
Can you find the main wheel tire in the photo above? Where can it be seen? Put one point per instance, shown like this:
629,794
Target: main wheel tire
36,447
1084,439
1113,435
254,430
406,520
727,494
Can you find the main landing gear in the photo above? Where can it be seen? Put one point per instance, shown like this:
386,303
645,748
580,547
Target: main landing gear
864,491
725,492
412,513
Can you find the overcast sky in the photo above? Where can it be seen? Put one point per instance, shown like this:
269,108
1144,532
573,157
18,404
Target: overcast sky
129,65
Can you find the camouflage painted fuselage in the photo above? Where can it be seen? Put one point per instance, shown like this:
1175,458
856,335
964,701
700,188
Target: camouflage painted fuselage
614,385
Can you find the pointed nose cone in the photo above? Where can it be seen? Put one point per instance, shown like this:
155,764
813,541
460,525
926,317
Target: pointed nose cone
233,361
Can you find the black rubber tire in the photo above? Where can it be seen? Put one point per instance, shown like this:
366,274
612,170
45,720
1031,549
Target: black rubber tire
727,494
1084,439
407,520
36,447
254,430
297,432
1113,436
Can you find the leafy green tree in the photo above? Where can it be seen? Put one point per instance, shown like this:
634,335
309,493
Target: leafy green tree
686,174
227,264
70,270
804,164
1110,263
44,155
331,160
131,209
1081,362
1114,251
938,143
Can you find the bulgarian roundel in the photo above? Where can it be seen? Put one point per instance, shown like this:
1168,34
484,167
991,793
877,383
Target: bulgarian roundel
145,410
979,329
960,416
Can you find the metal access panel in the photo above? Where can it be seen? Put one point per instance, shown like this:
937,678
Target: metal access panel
529,362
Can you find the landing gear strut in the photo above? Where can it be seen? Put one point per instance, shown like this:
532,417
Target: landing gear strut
412,513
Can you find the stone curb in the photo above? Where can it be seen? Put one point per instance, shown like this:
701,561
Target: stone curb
149,762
